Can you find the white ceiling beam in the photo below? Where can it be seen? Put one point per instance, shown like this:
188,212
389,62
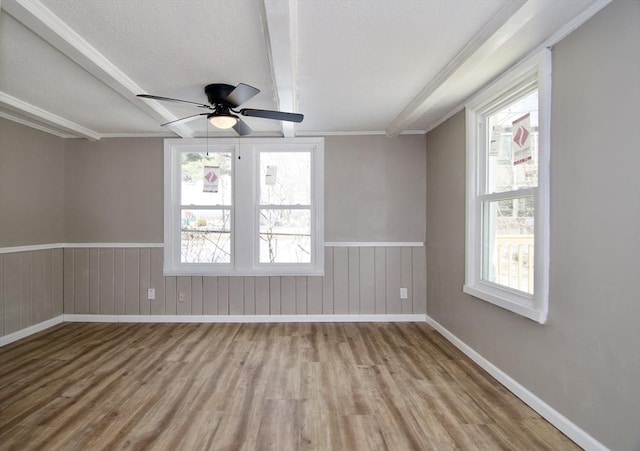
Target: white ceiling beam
35,125
43,22
503,26
33,112
280,22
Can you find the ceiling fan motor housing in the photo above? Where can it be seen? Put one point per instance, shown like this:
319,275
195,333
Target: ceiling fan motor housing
218,92
223,98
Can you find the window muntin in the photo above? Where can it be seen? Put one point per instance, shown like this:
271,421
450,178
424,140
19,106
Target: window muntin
507,211
248,225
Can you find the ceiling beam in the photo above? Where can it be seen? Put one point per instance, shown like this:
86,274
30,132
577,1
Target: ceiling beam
503,26
33,112
35,125
280,22
43,22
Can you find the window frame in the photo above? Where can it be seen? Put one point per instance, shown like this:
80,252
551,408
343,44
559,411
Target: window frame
509,87
245,220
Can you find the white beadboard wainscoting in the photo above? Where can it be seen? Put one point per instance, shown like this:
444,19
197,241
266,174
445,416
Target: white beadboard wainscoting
357,281
87,281
31,291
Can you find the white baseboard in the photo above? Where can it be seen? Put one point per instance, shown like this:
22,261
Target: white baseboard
15,336
554,417
245,318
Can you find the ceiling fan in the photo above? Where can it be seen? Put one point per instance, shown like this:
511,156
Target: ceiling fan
223,101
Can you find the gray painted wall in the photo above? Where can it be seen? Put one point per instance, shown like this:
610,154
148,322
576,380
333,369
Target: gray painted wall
113,190
586,361
31,186
374,189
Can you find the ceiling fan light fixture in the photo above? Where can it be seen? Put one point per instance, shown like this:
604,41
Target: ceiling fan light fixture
223,121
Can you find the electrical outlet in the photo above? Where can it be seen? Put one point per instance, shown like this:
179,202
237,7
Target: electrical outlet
403,293
151,293
180,297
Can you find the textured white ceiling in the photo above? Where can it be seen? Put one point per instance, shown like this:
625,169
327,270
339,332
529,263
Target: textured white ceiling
175,48
35,72
361,62
356,66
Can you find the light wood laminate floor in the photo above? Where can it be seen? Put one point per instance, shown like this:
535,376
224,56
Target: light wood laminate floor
256,386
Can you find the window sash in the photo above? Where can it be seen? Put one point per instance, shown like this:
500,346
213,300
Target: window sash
522,79
245,208
492,261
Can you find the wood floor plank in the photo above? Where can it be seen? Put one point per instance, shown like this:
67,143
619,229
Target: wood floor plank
256,387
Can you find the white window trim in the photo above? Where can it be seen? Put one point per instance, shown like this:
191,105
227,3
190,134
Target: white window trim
245,218
534,306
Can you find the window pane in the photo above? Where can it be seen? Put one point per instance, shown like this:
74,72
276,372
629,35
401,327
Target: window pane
285,178
285,236
196,190
512,157
508,243
205,236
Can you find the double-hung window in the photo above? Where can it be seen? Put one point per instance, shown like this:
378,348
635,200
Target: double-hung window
507,208
244,207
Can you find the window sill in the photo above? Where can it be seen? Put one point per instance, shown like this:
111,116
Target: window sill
507,299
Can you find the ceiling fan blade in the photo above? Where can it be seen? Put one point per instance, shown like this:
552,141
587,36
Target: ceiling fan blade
268,114
168,99
242,128
241,94
185,119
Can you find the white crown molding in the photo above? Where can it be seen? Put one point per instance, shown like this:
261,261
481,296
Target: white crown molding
357,133
562,33
500,28
566,426
446,117
42,21
280,25
37,113
35,125
572,25
138,135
